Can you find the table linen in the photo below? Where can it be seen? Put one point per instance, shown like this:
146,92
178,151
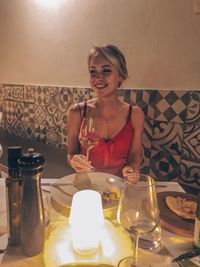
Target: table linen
58,249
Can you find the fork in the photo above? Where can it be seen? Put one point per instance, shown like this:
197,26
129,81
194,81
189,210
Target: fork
187,255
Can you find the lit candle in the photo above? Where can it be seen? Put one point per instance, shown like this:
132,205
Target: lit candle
86,220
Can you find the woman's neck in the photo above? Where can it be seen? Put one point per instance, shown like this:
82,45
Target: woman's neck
107,101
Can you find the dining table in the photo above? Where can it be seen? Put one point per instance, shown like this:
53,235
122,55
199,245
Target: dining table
115,242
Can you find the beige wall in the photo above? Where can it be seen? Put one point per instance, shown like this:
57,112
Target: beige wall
49,45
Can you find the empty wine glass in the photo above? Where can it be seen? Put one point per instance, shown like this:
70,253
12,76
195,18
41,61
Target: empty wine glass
138,214
87,136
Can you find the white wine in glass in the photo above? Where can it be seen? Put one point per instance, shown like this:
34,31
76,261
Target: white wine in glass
88,136
138,214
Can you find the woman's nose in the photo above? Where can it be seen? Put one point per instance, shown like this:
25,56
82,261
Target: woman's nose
99,75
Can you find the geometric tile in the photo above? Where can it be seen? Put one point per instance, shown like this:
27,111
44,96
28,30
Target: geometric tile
80,94
13,117
58,100
191,142
133,94
92,94
65,99
39,95
29,130
40,114
53,136
13,92
193,111
29,94
19,110
8,127
1,93
190,173
164,166
145,99
51,93
145,166
40,133
148,133
171,106
29,113
168,137
1,107
124,95
18,128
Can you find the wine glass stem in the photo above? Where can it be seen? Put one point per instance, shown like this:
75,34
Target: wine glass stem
87,154
135,249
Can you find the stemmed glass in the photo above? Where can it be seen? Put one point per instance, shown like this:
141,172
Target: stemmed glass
138,214
87,136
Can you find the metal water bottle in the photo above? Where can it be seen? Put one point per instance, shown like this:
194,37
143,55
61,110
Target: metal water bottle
14,194
32,230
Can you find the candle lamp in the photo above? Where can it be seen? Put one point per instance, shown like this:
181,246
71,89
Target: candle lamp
86,221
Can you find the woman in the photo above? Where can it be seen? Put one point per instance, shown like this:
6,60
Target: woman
120,124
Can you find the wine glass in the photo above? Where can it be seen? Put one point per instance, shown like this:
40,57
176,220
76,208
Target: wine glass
138,214
87,135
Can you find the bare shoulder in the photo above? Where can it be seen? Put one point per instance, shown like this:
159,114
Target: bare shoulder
137,116
137,111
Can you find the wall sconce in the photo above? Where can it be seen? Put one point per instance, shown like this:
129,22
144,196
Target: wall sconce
86,220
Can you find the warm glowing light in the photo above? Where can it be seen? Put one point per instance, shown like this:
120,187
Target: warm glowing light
49,3
86,220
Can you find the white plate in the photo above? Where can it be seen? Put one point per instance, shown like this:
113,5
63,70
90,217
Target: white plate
63,190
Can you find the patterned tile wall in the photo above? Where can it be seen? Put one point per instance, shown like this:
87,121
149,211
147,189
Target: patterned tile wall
171,134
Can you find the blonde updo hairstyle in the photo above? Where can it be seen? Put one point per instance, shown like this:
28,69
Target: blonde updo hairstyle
113,55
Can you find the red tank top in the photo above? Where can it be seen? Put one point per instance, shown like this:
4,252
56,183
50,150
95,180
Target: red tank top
111,155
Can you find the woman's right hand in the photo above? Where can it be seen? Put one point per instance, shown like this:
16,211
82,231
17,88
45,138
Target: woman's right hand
80,164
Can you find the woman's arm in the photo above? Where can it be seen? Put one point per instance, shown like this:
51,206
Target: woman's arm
76,160
131,170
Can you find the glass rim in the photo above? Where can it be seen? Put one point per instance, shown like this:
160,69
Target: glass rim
139,185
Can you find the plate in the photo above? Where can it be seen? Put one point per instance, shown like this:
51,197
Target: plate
183,207
171,221
108,185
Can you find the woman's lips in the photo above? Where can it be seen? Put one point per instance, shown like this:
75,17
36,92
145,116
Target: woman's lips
100,86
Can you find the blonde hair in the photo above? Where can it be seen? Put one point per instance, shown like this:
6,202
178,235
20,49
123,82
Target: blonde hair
113,55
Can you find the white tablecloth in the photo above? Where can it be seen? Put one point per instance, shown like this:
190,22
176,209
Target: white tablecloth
115,243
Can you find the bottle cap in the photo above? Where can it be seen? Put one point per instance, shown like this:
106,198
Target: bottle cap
14,153
31,160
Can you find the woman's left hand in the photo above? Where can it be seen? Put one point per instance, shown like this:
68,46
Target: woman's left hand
131,174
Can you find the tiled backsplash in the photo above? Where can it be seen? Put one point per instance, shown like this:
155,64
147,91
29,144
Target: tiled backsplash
172,123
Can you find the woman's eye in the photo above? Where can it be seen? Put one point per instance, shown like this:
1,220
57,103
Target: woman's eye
104,72
107,71
93,72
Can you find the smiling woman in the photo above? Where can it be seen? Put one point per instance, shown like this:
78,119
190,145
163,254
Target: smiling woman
119,147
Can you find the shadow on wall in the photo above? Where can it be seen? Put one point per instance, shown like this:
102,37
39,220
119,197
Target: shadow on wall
172,124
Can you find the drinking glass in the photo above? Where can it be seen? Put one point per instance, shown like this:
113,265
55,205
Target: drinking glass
88,136
138,214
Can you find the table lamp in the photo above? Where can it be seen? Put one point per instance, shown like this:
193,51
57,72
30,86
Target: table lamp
86,220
